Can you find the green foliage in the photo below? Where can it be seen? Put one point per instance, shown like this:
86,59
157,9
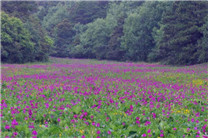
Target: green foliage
43,43
63,38
16,41
118,11
138,40
202,50
181,33
95,39
55,15
24,39
20,9
85,12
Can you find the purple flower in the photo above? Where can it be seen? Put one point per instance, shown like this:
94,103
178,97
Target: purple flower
31,126
14,122
58,119
154,115
98,132
15,133
93,123
109,132
98,125
34,132
137,122
144,135
174,128
7,127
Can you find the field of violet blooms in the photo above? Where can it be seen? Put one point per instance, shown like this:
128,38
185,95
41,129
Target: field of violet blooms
89,98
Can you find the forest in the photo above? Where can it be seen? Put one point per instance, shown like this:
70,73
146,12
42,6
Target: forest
172,33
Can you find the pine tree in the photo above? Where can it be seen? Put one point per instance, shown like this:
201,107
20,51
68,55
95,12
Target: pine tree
181,32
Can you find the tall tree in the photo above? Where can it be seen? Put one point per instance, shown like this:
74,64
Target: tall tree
119,11
87,11
64,34
42,43
16,41
181,32
202,49
95,39
138,40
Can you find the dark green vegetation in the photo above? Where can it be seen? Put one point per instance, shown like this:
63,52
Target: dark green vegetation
173,32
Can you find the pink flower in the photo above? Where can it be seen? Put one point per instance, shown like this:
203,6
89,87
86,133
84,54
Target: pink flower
98,132
109,132
137,122
14,122
144,135
147,123
161,135
72,121
149,131
85,113
174,128
58,119
34,132
15,133
7,127
83,136
75,116
98,125
31,126
204,126
154,115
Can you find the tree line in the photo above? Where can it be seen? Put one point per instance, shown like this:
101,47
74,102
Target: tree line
174,32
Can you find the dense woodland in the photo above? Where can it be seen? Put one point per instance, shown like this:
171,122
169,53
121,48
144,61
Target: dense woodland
174,32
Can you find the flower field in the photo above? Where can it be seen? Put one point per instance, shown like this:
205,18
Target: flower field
88,98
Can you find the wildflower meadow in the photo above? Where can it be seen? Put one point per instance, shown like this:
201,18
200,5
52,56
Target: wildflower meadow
83,98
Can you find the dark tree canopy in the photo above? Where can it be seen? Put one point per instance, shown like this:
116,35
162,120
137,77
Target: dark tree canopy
16,44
